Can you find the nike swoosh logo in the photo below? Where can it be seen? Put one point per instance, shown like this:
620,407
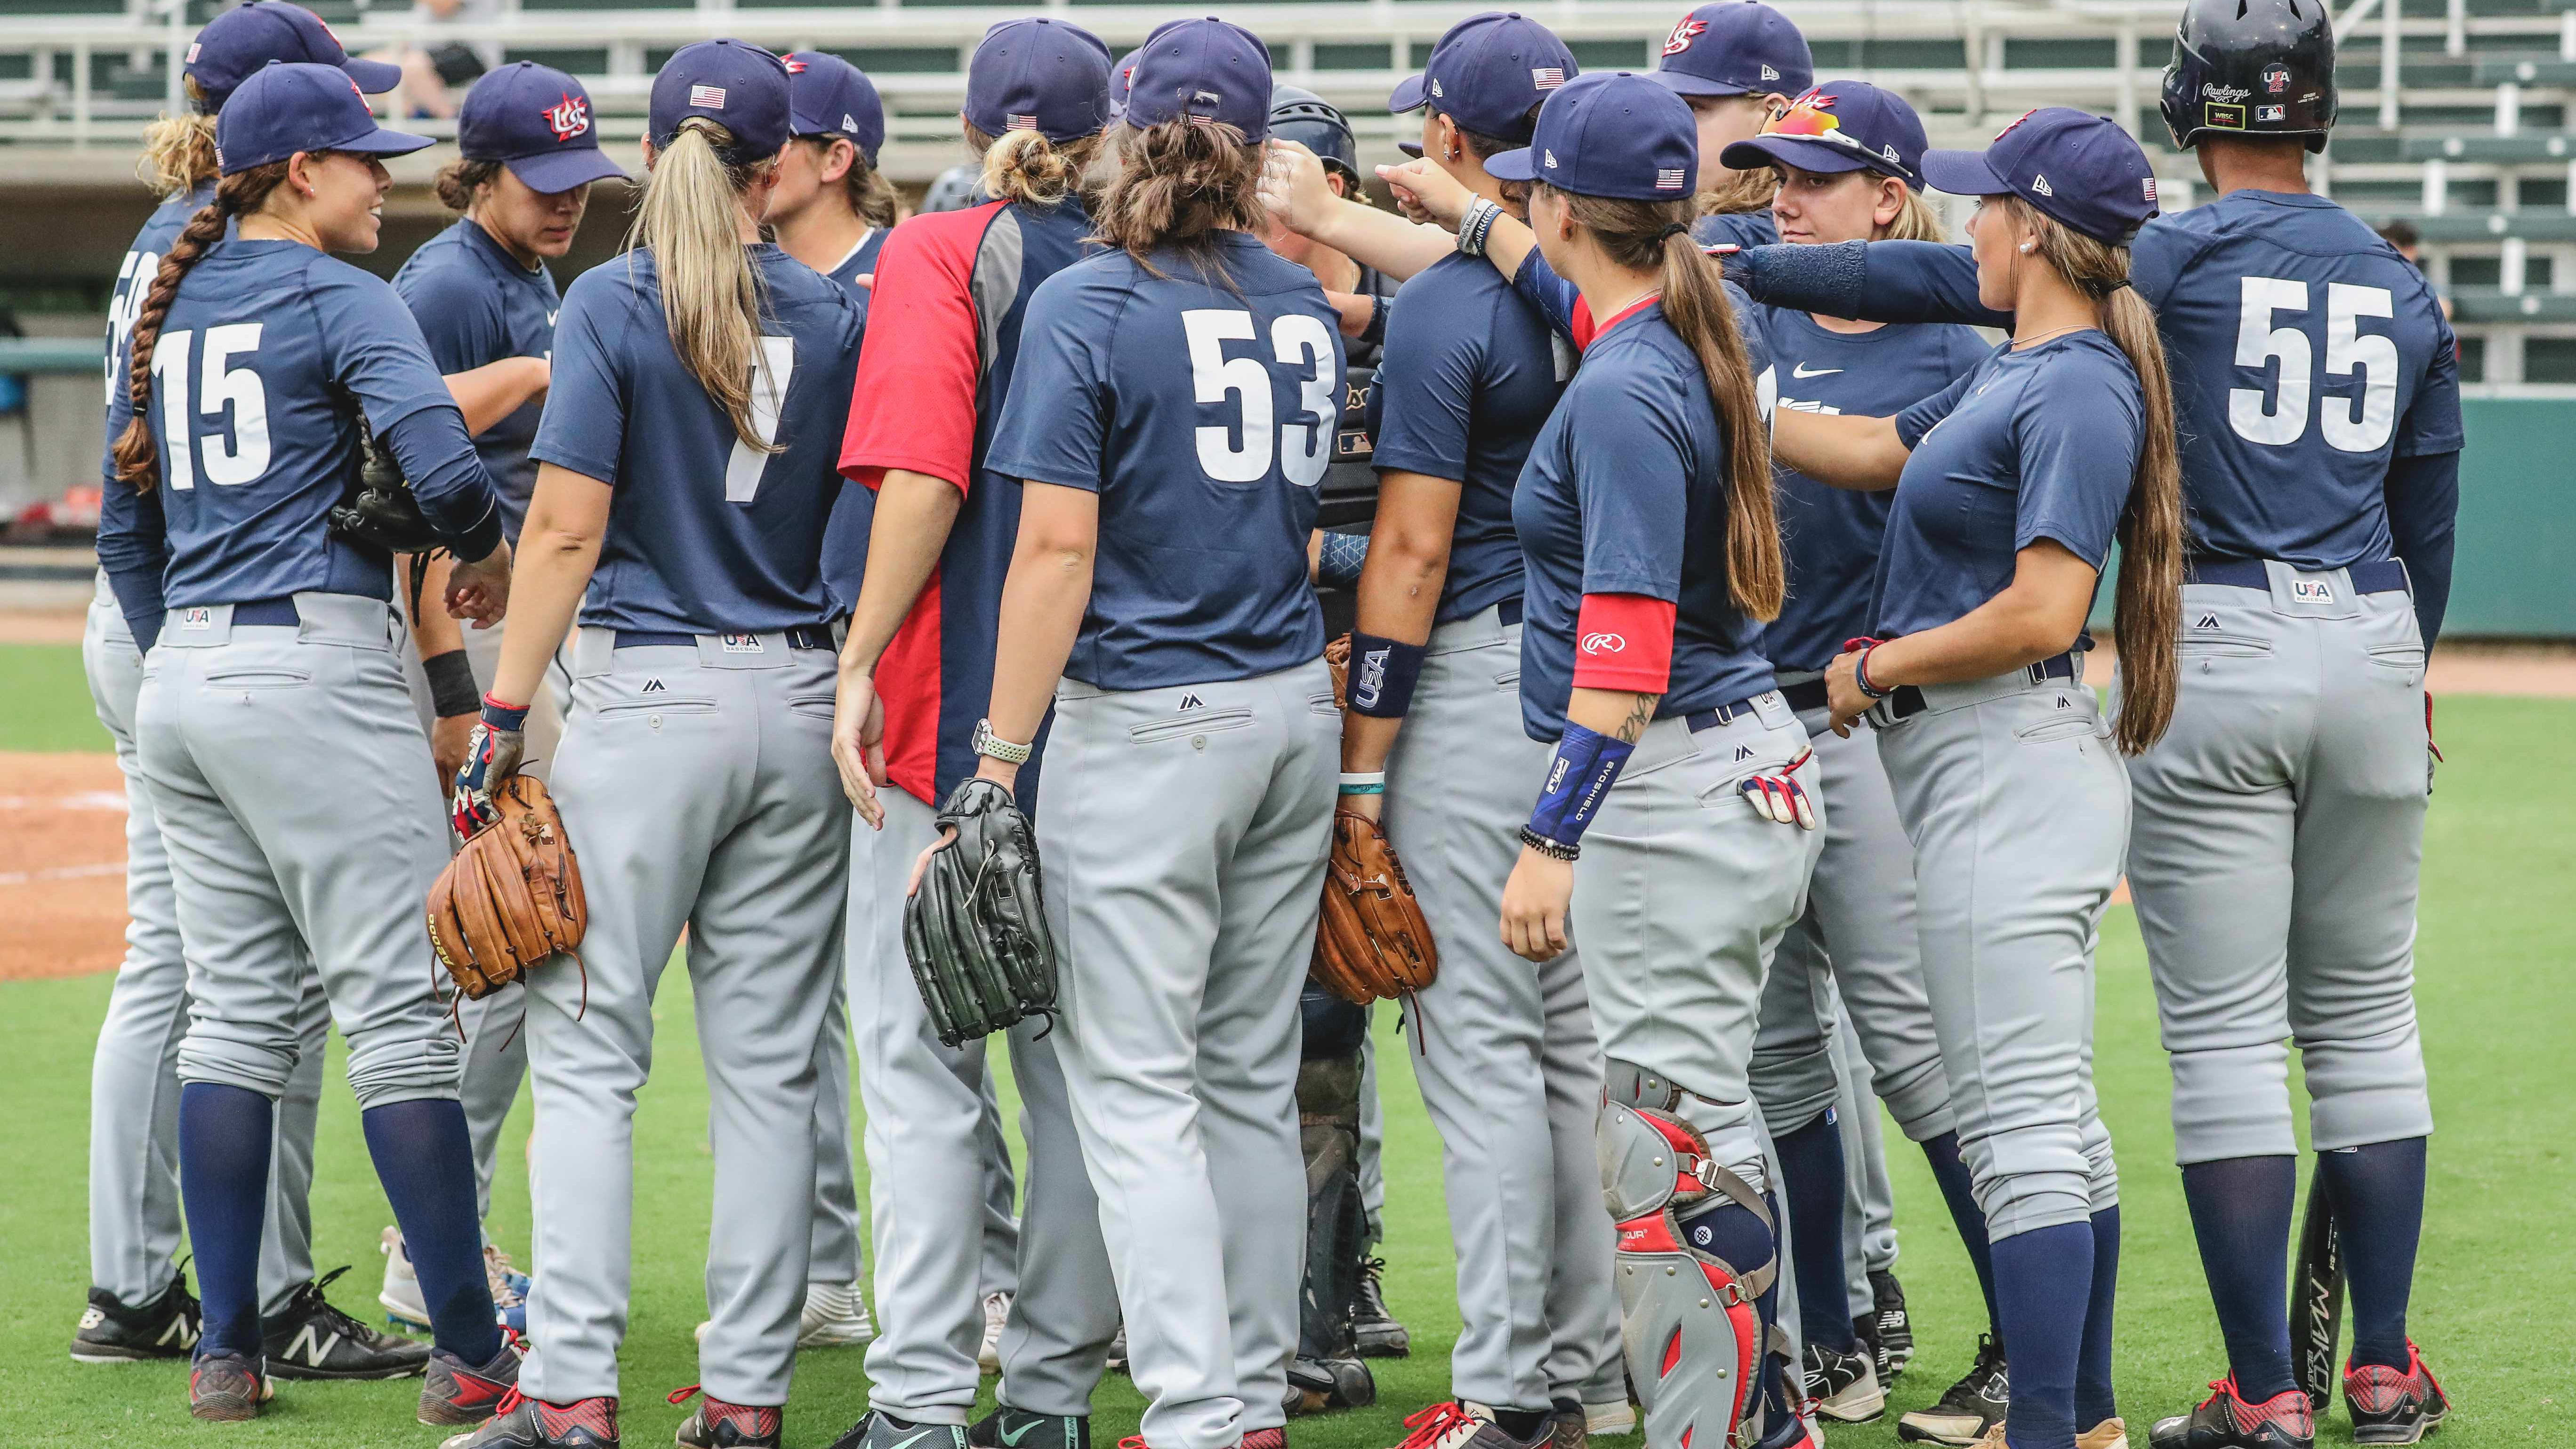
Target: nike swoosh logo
1025,1430
1803,370
915,1439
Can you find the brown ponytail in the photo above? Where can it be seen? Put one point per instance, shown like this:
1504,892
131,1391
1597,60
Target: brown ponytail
712,301
1026,166
179,151
1183,181
871,195
1648,235
2148,611
239,194
459,179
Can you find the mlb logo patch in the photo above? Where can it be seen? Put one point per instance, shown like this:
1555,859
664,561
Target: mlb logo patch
2311,591
196,618
1670,178
741,644
2269,113
706,98
568,117
1547,77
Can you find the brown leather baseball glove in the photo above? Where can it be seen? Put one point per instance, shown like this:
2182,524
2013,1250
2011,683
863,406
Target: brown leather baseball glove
512,897
1372,943
1337,658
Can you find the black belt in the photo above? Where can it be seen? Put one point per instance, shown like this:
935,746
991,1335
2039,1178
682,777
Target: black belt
1907,701
268,613
803,636
1709,719
1804,697
2381,576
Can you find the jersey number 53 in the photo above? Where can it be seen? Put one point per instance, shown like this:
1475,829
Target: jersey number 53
2351,425
1304,442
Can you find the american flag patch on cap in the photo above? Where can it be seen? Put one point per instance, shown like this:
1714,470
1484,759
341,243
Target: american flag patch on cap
193,49
1547,77
1670,178
706,98
1017,122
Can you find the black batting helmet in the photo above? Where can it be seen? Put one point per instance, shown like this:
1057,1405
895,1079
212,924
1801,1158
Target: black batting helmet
2252,68
957,188
1311,121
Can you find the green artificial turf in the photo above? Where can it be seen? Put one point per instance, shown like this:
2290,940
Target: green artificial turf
2499,1028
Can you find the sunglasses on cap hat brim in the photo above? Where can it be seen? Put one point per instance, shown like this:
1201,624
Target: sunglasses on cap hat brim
1810,153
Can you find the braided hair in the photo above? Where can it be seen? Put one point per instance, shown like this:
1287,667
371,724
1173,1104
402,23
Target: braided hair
239,194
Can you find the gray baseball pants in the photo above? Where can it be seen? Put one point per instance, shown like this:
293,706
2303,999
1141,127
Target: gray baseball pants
697,784
1184,833
1869,1201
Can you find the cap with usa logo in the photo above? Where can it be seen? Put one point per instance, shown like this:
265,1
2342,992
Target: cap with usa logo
537,121
285,108
2076,167
830,98
734,83
1206,70
1836,127
1040,74
1736,48
234,45
1487,74
1610,133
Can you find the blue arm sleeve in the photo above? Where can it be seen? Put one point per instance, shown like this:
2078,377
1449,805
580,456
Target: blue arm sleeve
448,479
1887,281
2423,508
1552,295
134,548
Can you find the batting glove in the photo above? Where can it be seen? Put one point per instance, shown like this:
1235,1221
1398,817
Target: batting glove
1779,798
492,755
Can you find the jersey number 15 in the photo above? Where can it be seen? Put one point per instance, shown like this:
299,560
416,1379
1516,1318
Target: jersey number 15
2351,425
226,389
1295,339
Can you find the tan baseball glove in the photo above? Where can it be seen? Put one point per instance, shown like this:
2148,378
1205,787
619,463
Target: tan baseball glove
1372,943
512,897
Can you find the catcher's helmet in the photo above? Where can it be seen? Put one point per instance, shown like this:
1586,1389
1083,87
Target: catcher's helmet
957,188
1311,121
2252,68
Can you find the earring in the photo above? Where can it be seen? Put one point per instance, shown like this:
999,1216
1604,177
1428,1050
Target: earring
2028,247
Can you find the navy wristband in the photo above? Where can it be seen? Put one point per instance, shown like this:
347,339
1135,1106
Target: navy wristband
1579,777
1383,673
451,684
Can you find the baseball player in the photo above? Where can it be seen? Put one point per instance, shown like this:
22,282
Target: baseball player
139,1304
1158,594
1738,64
486,303
1510,1070
263,727
2322,504
923,573
1847,157
699,383
2014,481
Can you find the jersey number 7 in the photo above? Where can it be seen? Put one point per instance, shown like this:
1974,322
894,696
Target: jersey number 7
2350,425
771,367
1296,339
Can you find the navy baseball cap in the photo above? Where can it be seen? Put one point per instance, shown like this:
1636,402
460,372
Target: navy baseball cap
1486,74
829,97
535,120
1121,76
734,83
1206,70
1042,75
1611,133
2077,167
1736,48
1840,126
234,45
285,108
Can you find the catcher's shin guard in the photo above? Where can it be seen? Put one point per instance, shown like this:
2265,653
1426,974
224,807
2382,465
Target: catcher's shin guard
1694,1332
1328,1129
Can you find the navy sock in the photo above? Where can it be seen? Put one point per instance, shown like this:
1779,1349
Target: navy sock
2094,1401
1951,1172
225,1134
2379,1216
426,1162
2043,1284
1721,1228
1812,1177
2240,1212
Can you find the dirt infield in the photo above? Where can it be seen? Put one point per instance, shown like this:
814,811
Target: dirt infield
62,865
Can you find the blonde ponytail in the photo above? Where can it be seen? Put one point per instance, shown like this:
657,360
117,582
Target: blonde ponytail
1915,221
1027,167
712,300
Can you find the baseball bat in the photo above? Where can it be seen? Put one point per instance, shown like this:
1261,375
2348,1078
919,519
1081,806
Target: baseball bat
2316,1297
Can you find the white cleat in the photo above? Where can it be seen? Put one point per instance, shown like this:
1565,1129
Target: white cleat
835,1317
997,1311
401,1293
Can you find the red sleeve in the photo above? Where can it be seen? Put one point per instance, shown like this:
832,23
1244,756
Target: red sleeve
913,406
1624,641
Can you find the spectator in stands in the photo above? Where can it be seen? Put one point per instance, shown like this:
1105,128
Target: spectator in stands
2409,242
435,71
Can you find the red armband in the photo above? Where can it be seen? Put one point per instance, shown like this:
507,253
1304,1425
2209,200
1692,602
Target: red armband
1624,641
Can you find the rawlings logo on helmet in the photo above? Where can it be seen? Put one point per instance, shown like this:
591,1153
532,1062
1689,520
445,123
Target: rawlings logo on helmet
2224,95
1688,30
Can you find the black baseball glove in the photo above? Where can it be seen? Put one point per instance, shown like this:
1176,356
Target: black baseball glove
380,510
975,930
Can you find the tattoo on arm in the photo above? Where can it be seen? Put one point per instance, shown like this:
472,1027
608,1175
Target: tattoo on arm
1640,715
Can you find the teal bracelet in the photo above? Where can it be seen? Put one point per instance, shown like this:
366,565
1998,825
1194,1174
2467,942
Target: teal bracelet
1377,789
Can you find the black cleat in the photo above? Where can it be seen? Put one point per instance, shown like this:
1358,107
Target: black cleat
885,1431
1320,1385
715,1424
525,1423
2390,1406
2225,1421
1974,1404
1865,1333
1895,1327
1844,1385
313,1340
1380,1336
1009,1428
110,1332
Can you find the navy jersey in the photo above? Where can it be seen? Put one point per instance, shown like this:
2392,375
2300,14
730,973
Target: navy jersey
862,258
267,357
1737,228
1626,492
2041,443
1469,376
706,535
133,280
1832,535
1203,412
477,305
845,538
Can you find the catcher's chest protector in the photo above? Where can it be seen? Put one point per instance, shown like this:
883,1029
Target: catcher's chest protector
1694,1335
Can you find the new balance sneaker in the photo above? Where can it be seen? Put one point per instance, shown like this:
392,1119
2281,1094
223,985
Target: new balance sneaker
885,1431
1319,1385
1865,1333
1895,1328
400,1295
835,1316
1009,1428
1973,1405
310,1339
997,1312
111,1332
1380,1336
2390,1406
519,1422
1844,1385
227,1388
457,1392
2225,1420
715,1424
